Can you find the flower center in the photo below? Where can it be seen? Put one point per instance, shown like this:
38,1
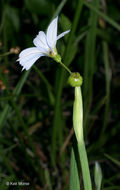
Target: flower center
51,53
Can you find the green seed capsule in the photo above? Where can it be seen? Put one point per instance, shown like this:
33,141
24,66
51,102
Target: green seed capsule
75,79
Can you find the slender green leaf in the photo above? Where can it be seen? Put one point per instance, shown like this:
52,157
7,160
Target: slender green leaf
104,16
17,90
113,159
74,182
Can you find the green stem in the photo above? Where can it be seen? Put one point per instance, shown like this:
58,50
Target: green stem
78,127
84,166
5,54
67,69
48,86
107,83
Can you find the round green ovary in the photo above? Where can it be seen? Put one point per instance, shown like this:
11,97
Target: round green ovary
75,79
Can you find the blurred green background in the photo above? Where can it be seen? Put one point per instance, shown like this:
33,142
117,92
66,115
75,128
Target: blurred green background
36,130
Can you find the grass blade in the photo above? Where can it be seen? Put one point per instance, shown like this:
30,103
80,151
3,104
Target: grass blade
17,90
108,83
89,65
104,16
74,182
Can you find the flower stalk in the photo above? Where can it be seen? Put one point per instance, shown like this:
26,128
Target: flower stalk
65,67
76,82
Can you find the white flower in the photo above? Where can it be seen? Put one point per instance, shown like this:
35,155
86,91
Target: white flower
45,46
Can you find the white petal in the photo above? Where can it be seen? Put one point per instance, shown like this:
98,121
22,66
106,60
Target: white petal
28,51
28,64
52,33
41,42
28,57
62,34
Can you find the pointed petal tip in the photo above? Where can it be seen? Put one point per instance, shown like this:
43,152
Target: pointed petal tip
62,34
18,60
52,33
56,17
23,69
